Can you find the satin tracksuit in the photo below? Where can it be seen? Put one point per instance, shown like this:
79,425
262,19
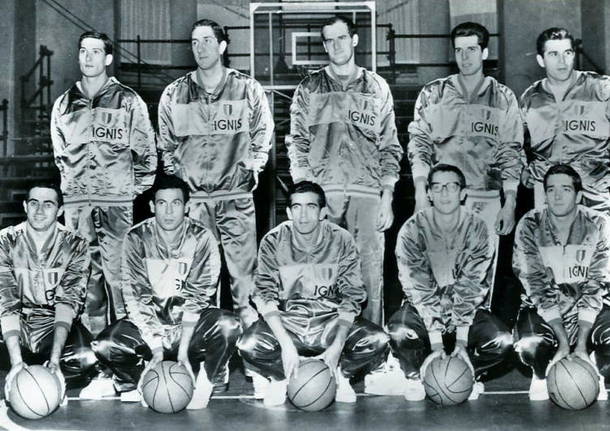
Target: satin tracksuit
562,282
41,291
573,131
445,280
314,289
218,143
168,287
343,137
481,134
105,150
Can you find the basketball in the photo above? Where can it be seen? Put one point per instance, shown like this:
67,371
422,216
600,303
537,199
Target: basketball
314,387
573,384
448,381
167,388
35,392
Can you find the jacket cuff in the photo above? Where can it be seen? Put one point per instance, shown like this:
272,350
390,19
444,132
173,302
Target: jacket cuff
64,314
436,338
587,316
10,324
510,186
388,182
346,318
156,344
550,314
461,334
190,319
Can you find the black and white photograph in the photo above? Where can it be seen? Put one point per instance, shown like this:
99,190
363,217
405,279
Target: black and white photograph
304,214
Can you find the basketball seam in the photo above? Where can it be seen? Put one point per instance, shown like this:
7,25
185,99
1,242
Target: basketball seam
307,382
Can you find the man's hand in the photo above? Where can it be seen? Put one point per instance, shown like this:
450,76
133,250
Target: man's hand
53,365
562,352
10,377
421,200
184,361
156,359
248,316
581,352
385,216
461,352
331,357
290,359
505,221
431,357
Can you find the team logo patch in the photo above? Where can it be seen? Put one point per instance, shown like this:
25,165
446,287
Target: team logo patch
228,109
106,117
580,255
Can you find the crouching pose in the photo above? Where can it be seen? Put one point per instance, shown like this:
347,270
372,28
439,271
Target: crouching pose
445,257
309,289
561,255
169,272
43,282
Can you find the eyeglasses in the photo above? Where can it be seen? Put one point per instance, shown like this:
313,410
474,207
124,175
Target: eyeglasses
450,187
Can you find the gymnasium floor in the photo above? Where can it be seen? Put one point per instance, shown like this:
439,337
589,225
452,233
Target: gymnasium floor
503,407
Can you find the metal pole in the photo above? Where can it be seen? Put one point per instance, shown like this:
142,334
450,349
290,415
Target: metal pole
139,54
252,10
49,83
373,37
273,146
4,128
41,93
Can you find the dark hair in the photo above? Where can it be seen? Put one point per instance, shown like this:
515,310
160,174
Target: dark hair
219,32
306,187
566,170
466,29
442,167
165,182
47,185
351,28
97,35
553,33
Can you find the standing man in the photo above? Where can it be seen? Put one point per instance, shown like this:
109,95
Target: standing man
343,137
308,290
562,257
43,279
105,150
472,122
170,267
568,120
215,131
444,254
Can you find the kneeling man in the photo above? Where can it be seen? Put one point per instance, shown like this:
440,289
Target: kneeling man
561,255
445,255
309,289
169,272
43,282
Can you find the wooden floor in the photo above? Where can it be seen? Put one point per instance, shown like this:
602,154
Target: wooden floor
504,407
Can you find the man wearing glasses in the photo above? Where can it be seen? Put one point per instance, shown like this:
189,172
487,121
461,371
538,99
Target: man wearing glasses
444,253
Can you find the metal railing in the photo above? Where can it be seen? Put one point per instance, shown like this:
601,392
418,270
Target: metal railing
42,93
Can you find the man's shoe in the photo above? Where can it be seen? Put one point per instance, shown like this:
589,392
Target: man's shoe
260,384
203,392
413,390
99,388
345,393
477,389
603,394
538,390
275,395
132,396
389,379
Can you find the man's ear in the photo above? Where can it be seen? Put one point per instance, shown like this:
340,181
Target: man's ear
289,213
355,40
60,211
579,197
25,207
323,213
151,205
540,61
109,59
485,54
222,46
